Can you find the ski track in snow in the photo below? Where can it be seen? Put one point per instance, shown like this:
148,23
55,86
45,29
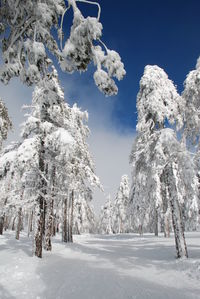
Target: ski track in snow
100,267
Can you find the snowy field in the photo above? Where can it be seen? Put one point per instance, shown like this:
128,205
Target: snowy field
98,267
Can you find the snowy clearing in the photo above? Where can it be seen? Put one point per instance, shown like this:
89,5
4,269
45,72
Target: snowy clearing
100,266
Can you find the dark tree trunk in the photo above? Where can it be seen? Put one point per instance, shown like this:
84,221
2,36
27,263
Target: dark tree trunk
13,223
2,223
40,222
19,218
39,236
50,222
181,248
156,222
71,218
48,245
53,232
65,221
30,223
6,223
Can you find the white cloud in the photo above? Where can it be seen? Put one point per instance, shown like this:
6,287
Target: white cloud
111,151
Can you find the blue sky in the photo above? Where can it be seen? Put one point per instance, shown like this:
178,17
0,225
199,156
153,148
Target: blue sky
144,32
165,33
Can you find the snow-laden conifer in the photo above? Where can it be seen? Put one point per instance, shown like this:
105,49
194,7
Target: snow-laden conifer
120,207
159,159
106,217
28,29
5,122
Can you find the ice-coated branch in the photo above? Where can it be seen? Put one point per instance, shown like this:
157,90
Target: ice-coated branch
32,19
103,44
95,3
61,26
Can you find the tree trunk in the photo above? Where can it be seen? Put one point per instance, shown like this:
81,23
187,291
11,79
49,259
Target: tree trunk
167,226
40,217
30,223
49,228
65,222
156,222
19,223
53,232
181,248
140,229
19,216
71,218
39,235
6,223
2,223
48,234
13,223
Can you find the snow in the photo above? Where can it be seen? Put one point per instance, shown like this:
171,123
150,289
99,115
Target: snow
107,267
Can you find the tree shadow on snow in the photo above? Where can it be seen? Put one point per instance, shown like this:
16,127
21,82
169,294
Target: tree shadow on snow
91,273
142,252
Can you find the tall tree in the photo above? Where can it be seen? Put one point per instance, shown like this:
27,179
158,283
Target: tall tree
159,105
5,122
106,217
191,95
120,207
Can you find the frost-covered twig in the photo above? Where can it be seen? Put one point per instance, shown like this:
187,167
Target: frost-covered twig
95,3
61,25
32,19
103,44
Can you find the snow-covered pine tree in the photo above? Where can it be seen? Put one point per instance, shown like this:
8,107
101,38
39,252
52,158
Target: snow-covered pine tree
191,108
80,166
120,207
5,125
191,95
5,122
158,103
84,217
46,124
106,217
6,172
64,162
17,160
28,30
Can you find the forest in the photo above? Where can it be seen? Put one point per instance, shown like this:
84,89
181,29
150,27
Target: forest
47,177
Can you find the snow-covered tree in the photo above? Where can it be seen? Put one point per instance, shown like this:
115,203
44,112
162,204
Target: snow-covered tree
106,217
5,125
46,124
28,29
120,207
157,154
17,160
63,163
84,217
191,95
5,122
191,111
157,101
6,173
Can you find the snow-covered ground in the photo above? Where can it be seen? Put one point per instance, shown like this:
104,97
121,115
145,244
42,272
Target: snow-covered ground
98,267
